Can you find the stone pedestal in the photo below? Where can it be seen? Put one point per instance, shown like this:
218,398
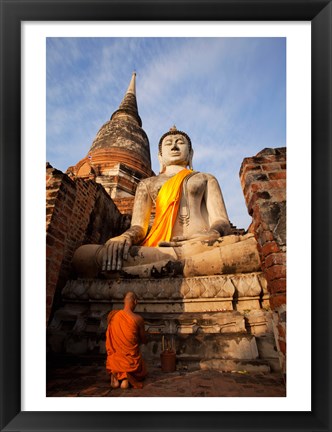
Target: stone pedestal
177,294
211,321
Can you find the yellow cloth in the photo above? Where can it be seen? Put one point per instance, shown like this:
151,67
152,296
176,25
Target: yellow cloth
167,206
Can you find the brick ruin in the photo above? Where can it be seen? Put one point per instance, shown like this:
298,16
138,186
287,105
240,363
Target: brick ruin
263,180
77,212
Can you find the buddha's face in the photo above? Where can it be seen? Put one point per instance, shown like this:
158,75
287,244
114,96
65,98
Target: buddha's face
175,150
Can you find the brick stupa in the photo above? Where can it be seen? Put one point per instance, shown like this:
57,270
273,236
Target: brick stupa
119,156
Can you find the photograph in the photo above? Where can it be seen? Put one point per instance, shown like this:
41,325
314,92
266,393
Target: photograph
166,187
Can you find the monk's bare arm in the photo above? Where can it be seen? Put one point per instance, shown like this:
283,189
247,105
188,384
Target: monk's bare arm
117,248
218,218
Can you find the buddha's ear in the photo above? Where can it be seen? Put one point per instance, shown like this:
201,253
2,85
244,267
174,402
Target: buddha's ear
190,159
161,164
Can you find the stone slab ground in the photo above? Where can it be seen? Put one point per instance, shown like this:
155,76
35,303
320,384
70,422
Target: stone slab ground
91,380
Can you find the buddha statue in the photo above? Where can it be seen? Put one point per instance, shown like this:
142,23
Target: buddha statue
190,235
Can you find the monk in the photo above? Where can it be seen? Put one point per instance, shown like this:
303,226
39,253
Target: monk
190,234
125,332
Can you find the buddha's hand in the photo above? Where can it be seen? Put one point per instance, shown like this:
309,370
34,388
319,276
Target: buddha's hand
115,251
205,236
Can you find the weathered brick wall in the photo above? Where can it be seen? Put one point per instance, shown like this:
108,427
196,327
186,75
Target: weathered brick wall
77,212
125,205
263,180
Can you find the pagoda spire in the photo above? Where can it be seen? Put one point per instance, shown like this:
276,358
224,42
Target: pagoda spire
132,84
119,156
129,102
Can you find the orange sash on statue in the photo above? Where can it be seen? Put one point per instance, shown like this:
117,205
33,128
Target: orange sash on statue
167,206
124,360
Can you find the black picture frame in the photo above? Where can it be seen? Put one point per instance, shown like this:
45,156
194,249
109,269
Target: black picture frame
13,12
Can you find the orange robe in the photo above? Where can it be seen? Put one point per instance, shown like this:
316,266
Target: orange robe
124,359
167,206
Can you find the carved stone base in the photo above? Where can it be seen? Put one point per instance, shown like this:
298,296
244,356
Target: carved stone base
197,294
194,323
217,319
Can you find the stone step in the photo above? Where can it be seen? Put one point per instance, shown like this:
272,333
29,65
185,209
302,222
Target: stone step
268,351
183,363
204,346
223,365
232,351
195,323
236,365
91,319
79,328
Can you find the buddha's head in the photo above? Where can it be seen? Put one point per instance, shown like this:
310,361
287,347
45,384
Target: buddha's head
175,149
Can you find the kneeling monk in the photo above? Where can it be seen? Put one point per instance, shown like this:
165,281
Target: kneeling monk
125,332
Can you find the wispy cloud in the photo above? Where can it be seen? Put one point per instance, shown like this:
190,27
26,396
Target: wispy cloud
228,94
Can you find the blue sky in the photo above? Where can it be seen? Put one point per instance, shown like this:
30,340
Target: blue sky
227,94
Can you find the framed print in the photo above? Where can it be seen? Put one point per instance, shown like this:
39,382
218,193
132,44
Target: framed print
25,402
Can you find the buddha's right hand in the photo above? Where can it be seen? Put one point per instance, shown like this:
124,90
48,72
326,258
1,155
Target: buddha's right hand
114,252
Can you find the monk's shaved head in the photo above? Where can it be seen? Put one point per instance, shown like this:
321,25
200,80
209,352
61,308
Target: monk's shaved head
130,300
130,297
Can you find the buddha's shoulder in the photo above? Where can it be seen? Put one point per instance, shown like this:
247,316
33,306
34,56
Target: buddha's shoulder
158,180
203,175
152,181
